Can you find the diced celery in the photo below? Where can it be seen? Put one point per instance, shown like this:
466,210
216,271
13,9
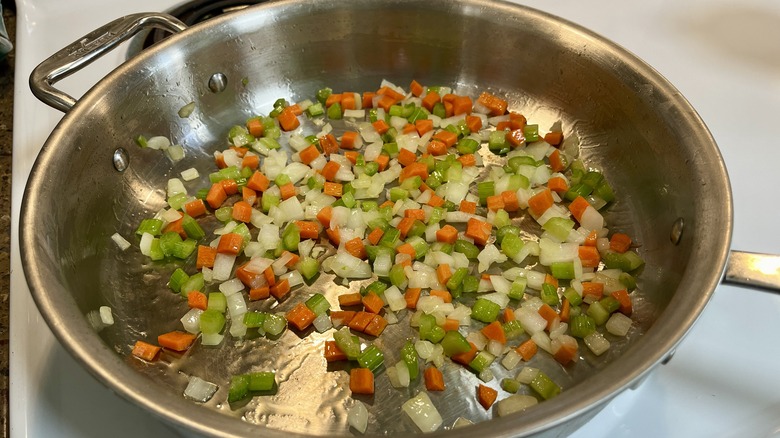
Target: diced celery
192,228
467,146
485,189
466,248
549,294
195,282
627,280
397,276
371,358
481,361
177,201
598,313
562,270
397,193
501,219
269,201
254,319
544,386
409,356
262,381
274,324
581,325
510,385
497,143
470,284
151,226
291,237
513,329
531,133
315,110
346,343
574,298
517,290
155,252
211,321
182,250
511,244
323,94
217,301
224,214
454,342
610,304
178,278
559,227
239,388
309,267
457,278
318,304
485,310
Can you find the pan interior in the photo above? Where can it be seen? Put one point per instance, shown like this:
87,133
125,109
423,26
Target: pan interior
631,124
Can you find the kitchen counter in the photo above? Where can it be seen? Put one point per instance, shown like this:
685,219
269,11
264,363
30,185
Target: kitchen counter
6,127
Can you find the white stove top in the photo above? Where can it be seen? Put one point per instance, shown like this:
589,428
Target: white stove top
723,55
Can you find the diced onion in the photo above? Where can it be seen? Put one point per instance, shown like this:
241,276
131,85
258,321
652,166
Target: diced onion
515,403
200,390
191,321
120,241
422,412
357,416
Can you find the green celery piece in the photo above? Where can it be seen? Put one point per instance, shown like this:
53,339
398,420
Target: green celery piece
397,194
192,228
467,146
178,278
315,110
224,214
318,304
372,167
485,189
510,385
274,324
481,361
497,143
610,304
511,244
202,193
549,294
309,267
559,227
598,313
420,246
177,201
409,356
368,205
211,321
371,358
439,110
346,343
470,284
418,229
195,282
517,290
513,329
155,252
485,310
501,232
239,388
579,189
592,178
466,248
544,386
581,325
262,381
628,281
522,160
168,242
291,237
217,301
531,133
457,278
502,219
397,276
182,250
454,343
517,182
254,319
243,231
562,270
269,201
377,287
412,183
323,94
574,298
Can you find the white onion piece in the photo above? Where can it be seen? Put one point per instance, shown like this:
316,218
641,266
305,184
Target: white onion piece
511,359
500,284
191,321
402,371
424,349
597,343
494,347
395,299
293,277
211,338
592,219
345,265
120,241
531,321
237,327
322,323
542,341
486,375
236,306
478,339
422,412
223,266
515,403
489,255
618,324
527,375
501,299
460,422
199,390
158,142
146,244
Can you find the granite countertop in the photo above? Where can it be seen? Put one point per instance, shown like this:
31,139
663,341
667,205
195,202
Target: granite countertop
6,128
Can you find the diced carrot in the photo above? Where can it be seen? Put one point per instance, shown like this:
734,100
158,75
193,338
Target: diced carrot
176,227
242,211
443,273
450,325
589,256
349,140
414,169
382,160
333,189
361,381
407,249
240,151
341,317
415,213
468,160
308,229
436,200
626,307
445,296
387,91
540,202
309,154
449,97
329,144
258,182
496,105
486,396
509,314
334,236
511,203
447,234
430,100
287,191
375,235
434,379
448,108
288,120
446,137
468,206
478,230
474,123
333,98
376,326
387,204
416,88
348,101
372,302
176,340
494,331
461,105
495,203
593,289
566,353
259,293
206,256
527,349
230,186
565,310
280,289
251,161
145,351
294,259
504,126
557,163
578,207
330,170
515,137
356,248
465,358
406,157
423,126
300,316
557,184
591,239
230,243
195,208
385,102
619,242
333,353
411,296
405,226
296,109
255,127
248,195
219,160
361,320
350,299
381,126
324,215
249,278
270,278
352,156
549,314
368,99
554,138
549,279
409,128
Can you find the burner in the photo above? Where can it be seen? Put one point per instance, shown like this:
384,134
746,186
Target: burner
196,11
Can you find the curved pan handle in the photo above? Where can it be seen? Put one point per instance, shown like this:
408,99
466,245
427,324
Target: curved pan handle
758,271
88,49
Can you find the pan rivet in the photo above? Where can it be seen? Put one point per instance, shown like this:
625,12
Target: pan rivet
217,83
677,230
120,159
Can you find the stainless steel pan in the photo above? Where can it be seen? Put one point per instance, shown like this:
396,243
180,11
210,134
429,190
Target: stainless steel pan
90,181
